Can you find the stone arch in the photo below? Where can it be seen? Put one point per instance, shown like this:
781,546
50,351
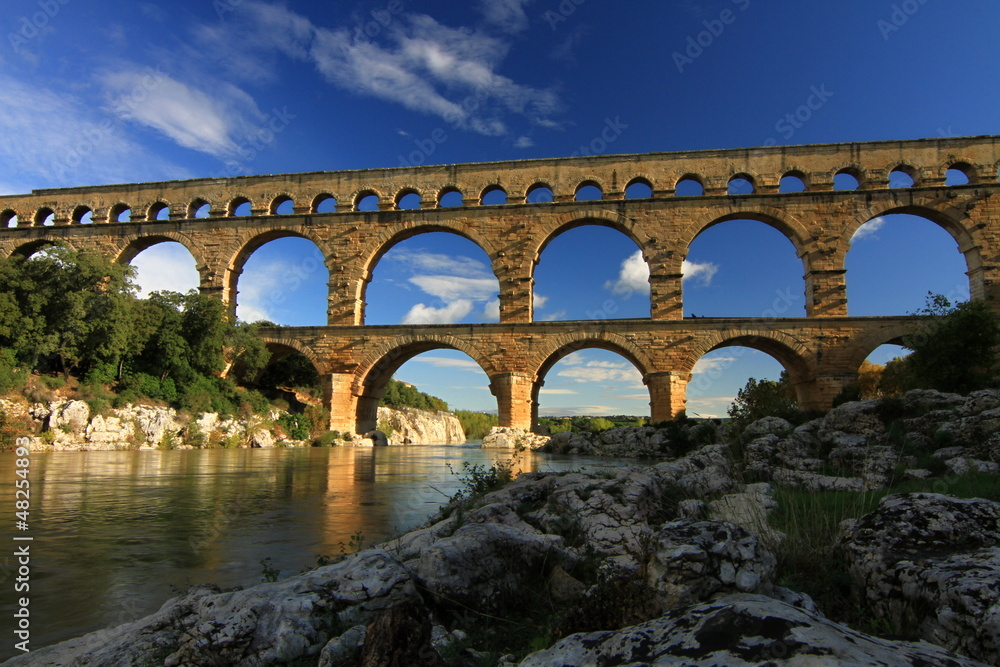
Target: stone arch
690,176
852,170
379,365
117,210
861,348
796,172
359,195
277,201
446,190
6,216
405,192
562,346
389,238
908,169
318,200
134,244
540,185
154,209
567,221
794,231
196,205
282,346
249,242
639,179
492,187
793,355
964,165
31,247
590,181
79,212
753,178
235,203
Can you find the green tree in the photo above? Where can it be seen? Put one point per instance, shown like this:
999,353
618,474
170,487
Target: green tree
764,398
955,346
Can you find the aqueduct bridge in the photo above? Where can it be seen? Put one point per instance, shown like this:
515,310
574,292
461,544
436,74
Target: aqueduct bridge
821,351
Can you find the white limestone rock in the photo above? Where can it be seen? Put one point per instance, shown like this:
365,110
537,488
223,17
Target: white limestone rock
931,561
740,631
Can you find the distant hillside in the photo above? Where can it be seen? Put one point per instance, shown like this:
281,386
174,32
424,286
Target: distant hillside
404,395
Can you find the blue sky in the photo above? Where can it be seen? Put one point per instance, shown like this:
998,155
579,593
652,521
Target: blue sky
104,92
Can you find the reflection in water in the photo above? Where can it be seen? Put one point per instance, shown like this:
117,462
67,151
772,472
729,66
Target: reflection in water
118,533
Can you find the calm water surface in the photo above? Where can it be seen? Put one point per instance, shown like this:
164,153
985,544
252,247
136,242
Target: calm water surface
118,533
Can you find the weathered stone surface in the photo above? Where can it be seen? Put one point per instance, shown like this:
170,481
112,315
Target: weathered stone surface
706,472
740,631
267,624
409,426
933,562
767,426
693,561
501,437
487,566
68,415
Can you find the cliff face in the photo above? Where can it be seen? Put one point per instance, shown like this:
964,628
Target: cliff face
409,426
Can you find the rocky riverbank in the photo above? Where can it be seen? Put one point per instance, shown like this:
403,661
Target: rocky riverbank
673,563
68,425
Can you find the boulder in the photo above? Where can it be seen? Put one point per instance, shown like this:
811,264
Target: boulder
931,563
69,416
740,631
503,437
409,426
693,561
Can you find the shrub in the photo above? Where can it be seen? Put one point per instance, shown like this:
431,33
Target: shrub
328,439
764,398
297,426
11,376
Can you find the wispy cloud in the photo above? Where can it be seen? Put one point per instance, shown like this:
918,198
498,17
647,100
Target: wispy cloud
461,284
211,123
54,139
556,392
416,62
448,362
601,371
710,364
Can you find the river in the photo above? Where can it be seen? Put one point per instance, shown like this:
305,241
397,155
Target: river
115,534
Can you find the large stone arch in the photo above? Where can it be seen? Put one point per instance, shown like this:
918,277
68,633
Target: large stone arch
282,346
236,256
861,348
954,221
387,239
799,234
29,248
560,224
562,346
793,355
379,365
132,244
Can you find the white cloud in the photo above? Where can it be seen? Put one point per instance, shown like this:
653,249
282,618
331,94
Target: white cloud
709,407
54,139
632,397
508,15
428,262
213,124
524,142
552,317
448,314
556,392
452,288
703,272
448,362
710,364
603,372
415,61
633,275
539,301
491,311
578,410
868,229
166,266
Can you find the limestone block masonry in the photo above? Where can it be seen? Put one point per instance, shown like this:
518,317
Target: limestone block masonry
821,351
